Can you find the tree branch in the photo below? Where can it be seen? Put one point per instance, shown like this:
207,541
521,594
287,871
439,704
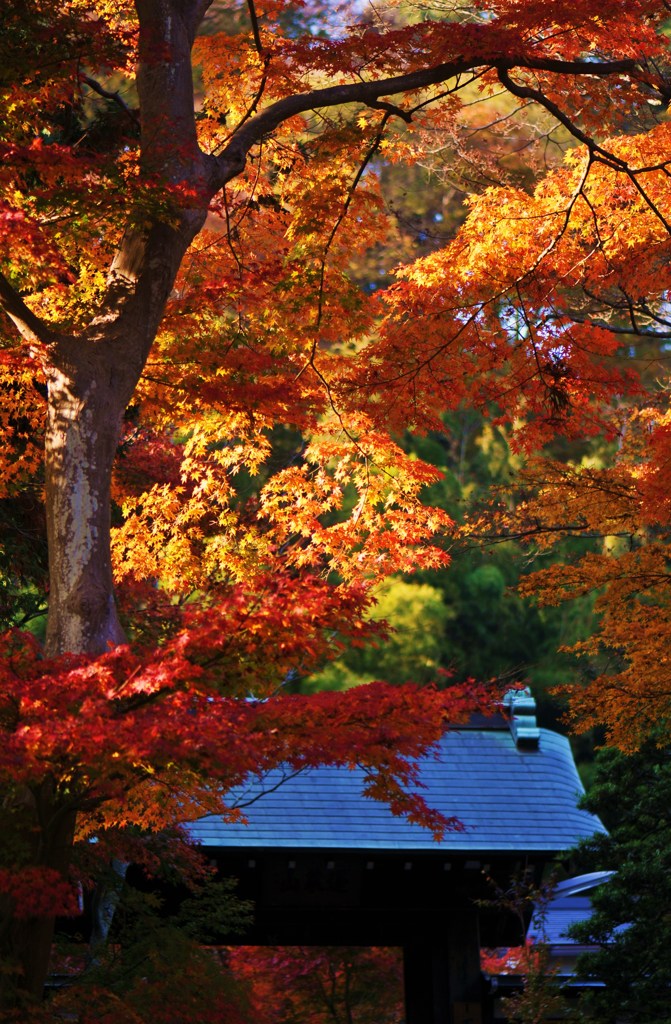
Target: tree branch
255,27
528,93
595,150
232,160
29,325
391,109
114,96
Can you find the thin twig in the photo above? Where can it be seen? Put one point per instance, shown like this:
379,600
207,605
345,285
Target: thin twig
253,17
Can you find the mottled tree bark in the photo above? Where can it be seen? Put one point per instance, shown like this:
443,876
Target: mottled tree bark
91,379
82,435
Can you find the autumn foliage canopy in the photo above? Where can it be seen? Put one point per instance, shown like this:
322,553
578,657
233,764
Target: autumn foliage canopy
208,410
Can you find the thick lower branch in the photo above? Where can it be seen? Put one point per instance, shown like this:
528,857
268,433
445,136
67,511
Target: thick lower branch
26,322
232,160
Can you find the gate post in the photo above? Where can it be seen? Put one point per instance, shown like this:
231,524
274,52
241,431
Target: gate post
442,979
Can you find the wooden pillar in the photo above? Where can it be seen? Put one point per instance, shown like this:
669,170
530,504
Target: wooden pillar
442,978
426,983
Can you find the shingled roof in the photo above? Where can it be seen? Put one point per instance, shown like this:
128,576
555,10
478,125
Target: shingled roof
570,903
513,786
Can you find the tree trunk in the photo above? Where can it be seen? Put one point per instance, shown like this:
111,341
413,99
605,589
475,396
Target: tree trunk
88,389
84,421
91,380
47,825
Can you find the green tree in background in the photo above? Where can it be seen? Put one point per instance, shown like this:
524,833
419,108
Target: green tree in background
632,912
415,649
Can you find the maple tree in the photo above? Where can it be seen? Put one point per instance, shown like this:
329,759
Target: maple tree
602,277
321,985
178,312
